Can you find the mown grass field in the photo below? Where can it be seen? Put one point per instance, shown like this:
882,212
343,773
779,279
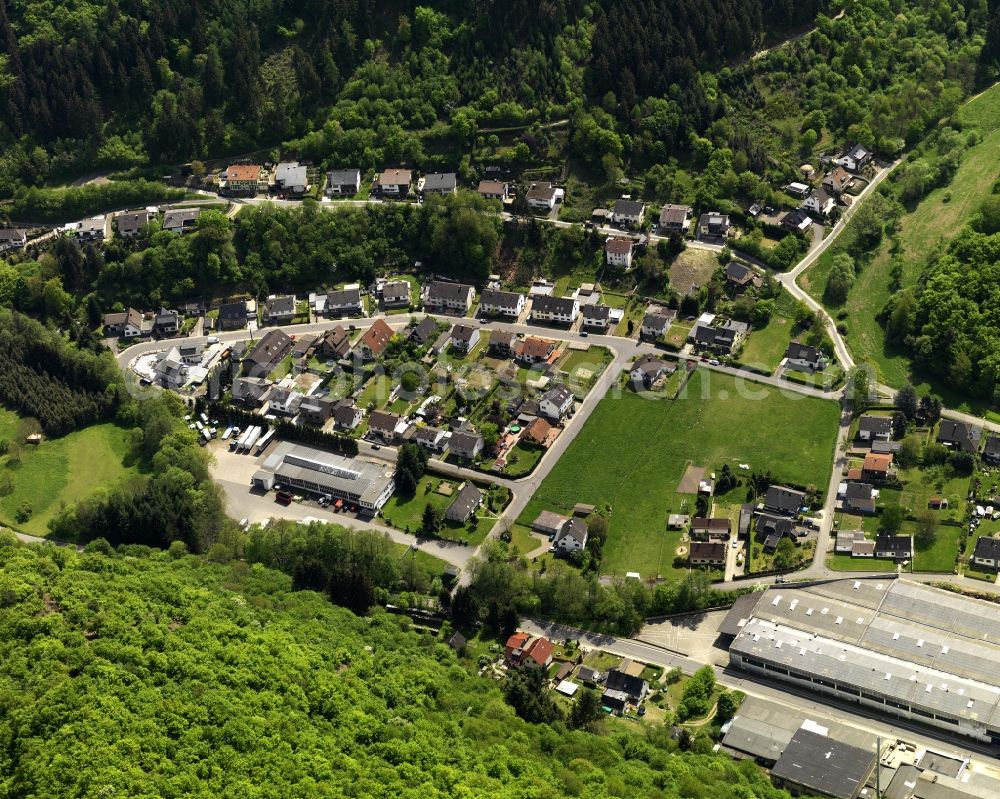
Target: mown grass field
632,453
934,221
60,471
407,512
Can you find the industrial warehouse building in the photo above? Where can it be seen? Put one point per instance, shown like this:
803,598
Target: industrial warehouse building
369,485
901,647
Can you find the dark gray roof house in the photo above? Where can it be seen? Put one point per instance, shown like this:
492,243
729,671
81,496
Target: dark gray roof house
440,183
464,504
268,352
280,307
130,223
624,207
179,220
782,499
859,497
635,687
232,315
425,331
872,426
815,763
596,315
991,452
721,338
805,355
899,547
959,435
465,445
738,275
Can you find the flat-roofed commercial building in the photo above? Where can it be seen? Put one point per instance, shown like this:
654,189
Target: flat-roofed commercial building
901,647
367,484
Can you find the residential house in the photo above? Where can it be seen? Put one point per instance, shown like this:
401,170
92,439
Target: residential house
857,497
180,220
713,226
440,183
382,424
959,435
710,529
634,687
335,344
464,505
648,369
618,251
13,239
166,322
291,178
896,547
783,500
316,410
430,438
987,553
855,159
572,536
343,182
656,323
273,347
877,467
424,331
495,302
874,428
863,548
395,294
372,344
556,402
191,354
232,315
242,180
798,189
284,400
279,309
772,529
537,432
675,219
501,343
537,654
596,317
305,346
92,229
720,338
394,183
738,276
991,452
561,310
514,646
628,212
837,180
541,196
804,358
846,539
346,415
129,224
493,190
126,324
170,370
707,553
465,445
549,523
193,307
345,302
819,202
251,391
535,350
453,298
797,221
464,338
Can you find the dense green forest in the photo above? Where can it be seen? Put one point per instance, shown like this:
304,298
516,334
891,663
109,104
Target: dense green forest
148,673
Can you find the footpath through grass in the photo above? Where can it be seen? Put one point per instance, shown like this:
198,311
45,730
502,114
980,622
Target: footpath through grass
632,453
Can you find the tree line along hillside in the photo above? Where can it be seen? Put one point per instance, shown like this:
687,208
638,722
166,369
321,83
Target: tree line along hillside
115,83
146,673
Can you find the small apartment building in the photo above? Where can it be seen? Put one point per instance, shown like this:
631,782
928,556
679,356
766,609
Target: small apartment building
243,180
560,310
454,298
618,251
495,302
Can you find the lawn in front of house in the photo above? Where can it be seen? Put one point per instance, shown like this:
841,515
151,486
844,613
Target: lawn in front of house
407,512
61,471
941,554
920,484
845,563
376,390
633,451
766,346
